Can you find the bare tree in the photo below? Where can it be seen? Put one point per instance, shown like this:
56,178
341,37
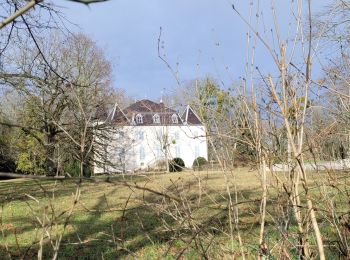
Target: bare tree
56,107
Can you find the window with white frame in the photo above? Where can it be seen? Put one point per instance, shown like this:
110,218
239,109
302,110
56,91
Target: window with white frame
177,135
177,151
142,153
159,152
156,119
196,151
121,153
139,119
174,119
120,134
141,135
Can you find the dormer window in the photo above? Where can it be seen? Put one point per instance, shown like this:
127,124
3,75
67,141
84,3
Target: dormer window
139,119
156,119
174,119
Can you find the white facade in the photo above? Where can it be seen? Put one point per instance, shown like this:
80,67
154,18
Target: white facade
149,145
148,135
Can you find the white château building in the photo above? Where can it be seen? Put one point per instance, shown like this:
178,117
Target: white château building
146,134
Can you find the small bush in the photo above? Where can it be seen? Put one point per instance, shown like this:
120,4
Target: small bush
74,169
199,161
29,164
176,165
7,164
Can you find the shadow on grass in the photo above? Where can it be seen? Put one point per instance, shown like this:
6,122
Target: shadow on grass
150,223
156,223
17,189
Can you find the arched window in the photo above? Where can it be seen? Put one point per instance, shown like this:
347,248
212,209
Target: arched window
156,119
174,119
139,119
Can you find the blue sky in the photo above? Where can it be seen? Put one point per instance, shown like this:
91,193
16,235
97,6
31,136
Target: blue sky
200,37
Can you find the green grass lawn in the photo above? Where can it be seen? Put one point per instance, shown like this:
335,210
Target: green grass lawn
151,216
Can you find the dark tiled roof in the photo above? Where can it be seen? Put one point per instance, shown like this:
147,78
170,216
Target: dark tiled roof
113,115
147,106
191,118
117,116
147,109
165,118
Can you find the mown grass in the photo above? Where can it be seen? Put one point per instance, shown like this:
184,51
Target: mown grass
146,216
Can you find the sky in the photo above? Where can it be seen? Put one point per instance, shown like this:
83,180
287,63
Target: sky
199,38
